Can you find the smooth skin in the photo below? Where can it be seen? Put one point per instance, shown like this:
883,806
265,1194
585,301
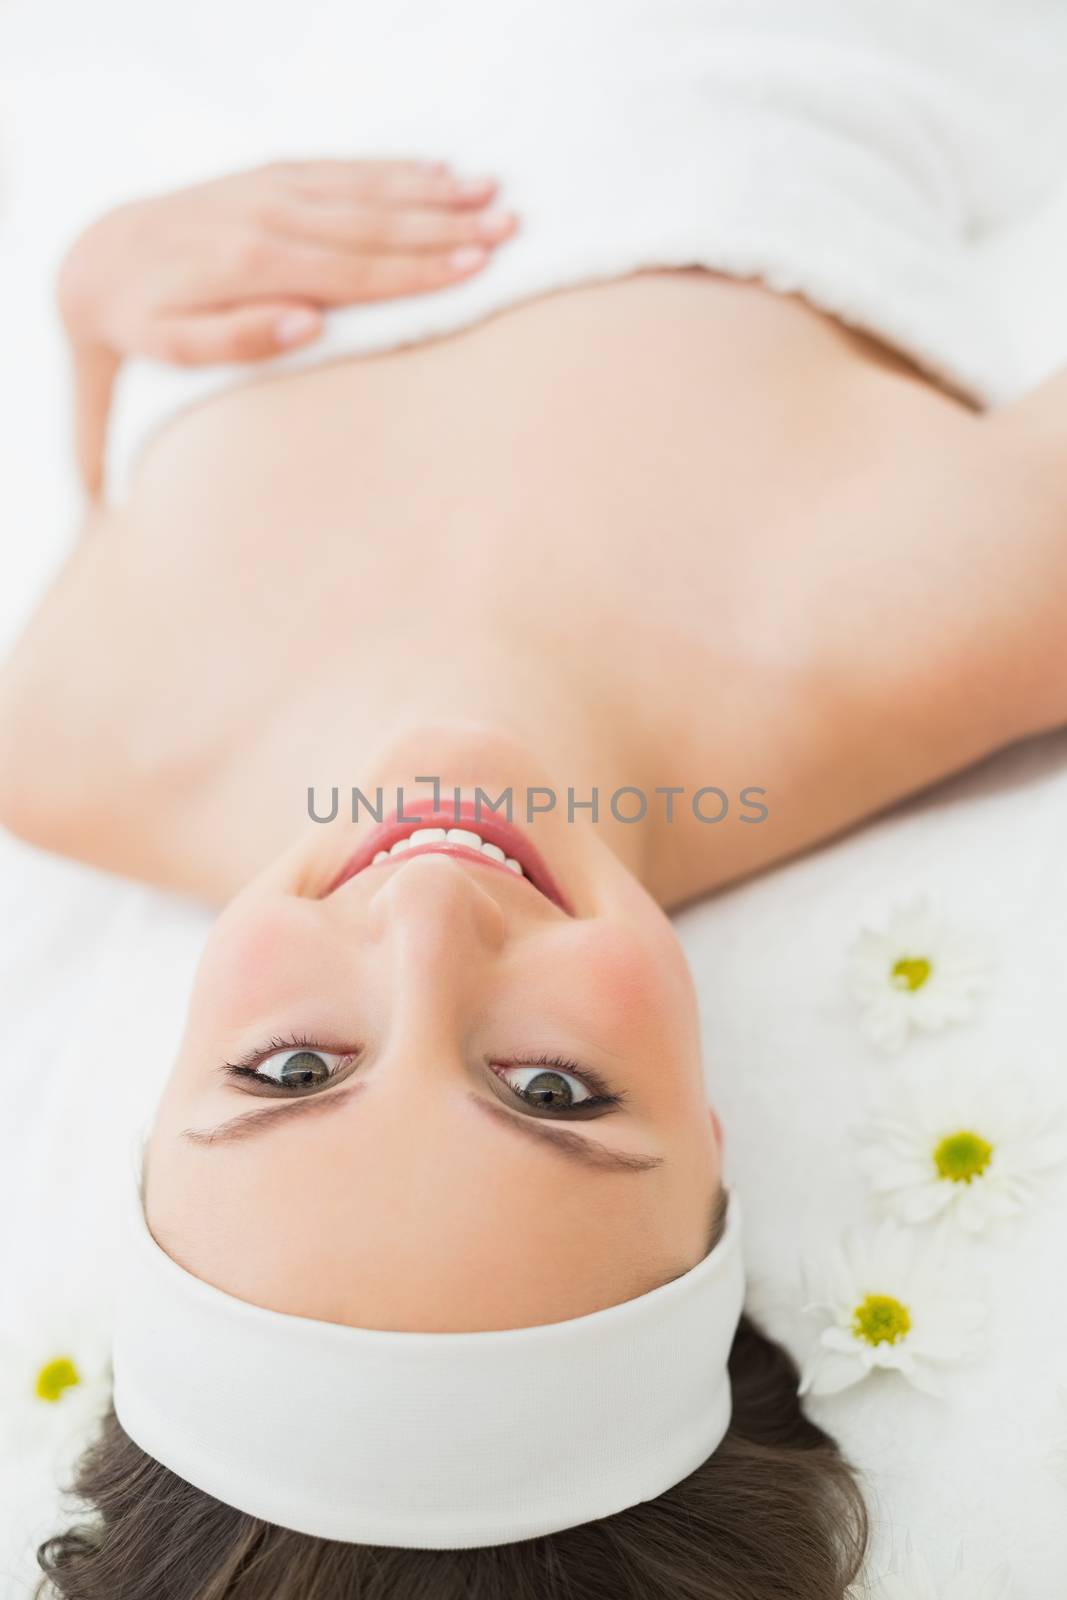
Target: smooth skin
672,530
439,990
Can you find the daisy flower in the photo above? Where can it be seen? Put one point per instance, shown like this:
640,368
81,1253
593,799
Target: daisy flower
886,1301
920,973
55,1385
912,1580
973,1148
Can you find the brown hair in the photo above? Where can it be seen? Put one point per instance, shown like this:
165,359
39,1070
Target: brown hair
773,1514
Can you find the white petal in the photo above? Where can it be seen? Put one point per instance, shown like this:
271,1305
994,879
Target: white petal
830,1373
972,1208
887,1026
887,1170
891,1357
924,1379
920,1205
844,1341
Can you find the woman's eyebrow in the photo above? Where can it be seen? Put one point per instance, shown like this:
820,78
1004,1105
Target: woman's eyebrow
576,1146
246,1124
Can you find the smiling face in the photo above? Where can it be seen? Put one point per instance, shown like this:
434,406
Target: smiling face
420,1088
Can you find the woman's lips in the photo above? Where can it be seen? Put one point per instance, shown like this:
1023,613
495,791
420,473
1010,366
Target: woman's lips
492,830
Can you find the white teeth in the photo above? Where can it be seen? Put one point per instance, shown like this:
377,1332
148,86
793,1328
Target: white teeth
464,836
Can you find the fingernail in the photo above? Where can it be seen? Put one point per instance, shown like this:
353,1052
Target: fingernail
495,220
468,257
469,186
434,169
293,327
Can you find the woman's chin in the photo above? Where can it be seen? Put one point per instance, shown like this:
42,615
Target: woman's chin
456,753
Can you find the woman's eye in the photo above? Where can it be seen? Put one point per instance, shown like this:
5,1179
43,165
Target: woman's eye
547,1088
300,1069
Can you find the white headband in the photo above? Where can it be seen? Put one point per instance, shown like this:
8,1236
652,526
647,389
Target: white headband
424,1440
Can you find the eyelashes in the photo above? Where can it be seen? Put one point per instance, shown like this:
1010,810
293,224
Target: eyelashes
598,1094
254,1058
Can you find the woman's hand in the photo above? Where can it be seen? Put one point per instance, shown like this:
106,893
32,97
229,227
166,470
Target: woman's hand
242,268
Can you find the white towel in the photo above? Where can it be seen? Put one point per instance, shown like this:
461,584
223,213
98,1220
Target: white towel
849,150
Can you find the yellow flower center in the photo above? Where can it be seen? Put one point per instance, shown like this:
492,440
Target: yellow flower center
55,1377
962,1156
910,972
881,1320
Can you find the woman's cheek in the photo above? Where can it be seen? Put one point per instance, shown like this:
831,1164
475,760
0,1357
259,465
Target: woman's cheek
250,960
635,986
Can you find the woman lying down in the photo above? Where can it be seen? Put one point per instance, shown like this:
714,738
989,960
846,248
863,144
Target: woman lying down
433,1284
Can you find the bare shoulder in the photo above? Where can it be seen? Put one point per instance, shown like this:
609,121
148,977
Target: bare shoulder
1002,593
910,621
944,577
86,746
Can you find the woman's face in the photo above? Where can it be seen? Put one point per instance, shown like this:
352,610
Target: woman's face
467,1098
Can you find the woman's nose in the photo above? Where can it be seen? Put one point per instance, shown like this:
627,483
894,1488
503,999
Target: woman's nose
435,911
438,930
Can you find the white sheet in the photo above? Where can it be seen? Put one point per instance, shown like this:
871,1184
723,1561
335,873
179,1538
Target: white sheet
94,971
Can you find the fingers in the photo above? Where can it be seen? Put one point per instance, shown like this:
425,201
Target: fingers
345,232
95,369
303,236
339,278
402,183
248,333
396,229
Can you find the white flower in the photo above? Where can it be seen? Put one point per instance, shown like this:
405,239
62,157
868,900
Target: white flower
920,973
971,1147
912,1580
55,1383
886,1301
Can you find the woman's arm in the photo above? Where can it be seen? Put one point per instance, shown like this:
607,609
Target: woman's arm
241,269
